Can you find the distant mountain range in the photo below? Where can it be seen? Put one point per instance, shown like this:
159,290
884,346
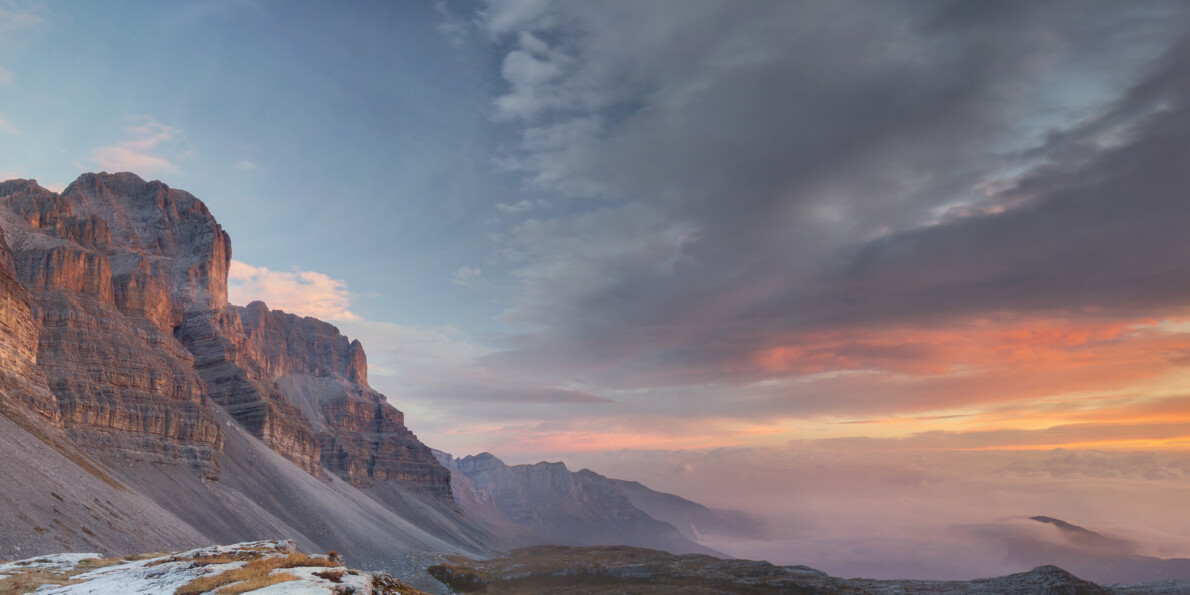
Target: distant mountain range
1095,556
546,503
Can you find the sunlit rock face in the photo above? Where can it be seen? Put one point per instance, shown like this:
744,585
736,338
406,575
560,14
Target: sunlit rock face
20,378
118,329
98,262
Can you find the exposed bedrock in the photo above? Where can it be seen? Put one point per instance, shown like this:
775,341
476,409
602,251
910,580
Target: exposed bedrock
20,378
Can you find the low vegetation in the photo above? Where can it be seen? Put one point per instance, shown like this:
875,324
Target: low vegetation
28,581
334,576
259,582
256,571
233,571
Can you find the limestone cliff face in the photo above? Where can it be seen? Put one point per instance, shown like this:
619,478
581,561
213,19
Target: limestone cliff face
117,377
20,378
361,437
236,380
162,233
117,290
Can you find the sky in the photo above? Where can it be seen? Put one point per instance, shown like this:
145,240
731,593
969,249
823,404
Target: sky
652,237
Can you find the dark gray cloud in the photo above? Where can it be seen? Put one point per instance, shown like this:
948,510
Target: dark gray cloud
741,174
742,223
1102,229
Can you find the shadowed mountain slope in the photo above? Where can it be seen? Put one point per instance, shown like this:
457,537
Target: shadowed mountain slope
546,503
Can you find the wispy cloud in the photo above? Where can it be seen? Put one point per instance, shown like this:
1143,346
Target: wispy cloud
149,147
19,15
6,127
465,275
454,28
519,207
306,293
5,76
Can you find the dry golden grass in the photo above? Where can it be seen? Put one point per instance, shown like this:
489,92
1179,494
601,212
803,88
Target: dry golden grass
29,581
257,569
256,583
334,576
220,558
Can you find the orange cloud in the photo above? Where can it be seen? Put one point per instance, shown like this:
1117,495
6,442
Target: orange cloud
306,293
1035,344
145,149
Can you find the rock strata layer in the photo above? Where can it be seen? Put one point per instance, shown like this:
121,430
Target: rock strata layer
117,377
20,378
361,437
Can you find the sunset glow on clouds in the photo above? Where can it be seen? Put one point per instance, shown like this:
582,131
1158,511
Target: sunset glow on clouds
990,276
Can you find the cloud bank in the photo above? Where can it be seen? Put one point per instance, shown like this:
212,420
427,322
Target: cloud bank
829,219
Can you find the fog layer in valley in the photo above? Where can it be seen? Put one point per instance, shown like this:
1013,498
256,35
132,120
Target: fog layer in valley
867,508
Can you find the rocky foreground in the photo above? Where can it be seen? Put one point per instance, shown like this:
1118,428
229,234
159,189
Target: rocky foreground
262,568
620,569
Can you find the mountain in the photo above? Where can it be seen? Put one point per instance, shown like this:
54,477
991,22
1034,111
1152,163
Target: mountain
143,411
546,503
693,520
611,570
1087,553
